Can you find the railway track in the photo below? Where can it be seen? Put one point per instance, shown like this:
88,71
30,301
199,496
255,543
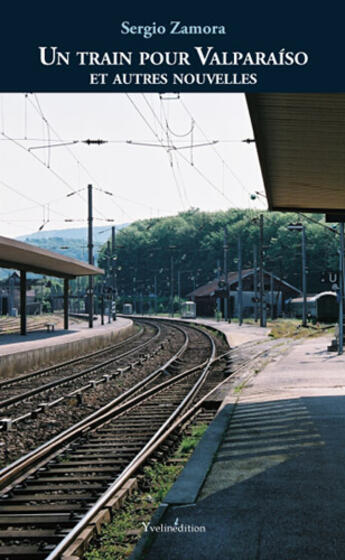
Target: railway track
49,494
63,367
24,393
54,495
31,422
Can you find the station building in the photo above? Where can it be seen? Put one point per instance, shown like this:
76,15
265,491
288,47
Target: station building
209,297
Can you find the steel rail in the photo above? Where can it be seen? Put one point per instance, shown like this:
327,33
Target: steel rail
141,457
8,473
42,407
159,436
136,463
44,371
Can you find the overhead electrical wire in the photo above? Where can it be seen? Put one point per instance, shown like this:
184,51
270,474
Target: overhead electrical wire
49,130
201,173
79,163
52,141
179,191
57,175
26,197
194,166
240,182
39,110
106,141
92,178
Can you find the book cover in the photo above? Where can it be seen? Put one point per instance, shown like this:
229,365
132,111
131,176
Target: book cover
171,281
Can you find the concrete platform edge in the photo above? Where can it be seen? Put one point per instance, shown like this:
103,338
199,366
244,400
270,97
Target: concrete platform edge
188,485
233,338
11,364
147,537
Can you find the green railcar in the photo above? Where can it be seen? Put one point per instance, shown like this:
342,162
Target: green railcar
322,307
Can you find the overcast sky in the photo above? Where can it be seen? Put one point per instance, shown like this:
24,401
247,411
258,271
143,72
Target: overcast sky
146,180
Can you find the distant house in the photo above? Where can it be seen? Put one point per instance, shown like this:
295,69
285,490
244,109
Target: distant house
210,296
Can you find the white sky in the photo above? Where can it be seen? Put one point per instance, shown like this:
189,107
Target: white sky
140,177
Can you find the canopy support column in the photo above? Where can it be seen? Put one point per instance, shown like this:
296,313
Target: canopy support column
65,303
23,302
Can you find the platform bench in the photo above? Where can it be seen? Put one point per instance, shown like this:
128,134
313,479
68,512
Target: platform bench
50,327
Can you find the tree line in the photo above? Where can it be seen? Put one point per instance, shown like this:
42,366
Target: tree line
188,248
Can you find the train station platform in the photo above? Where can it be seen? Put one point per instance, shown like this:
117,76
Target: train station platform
267,479
39,349
235,333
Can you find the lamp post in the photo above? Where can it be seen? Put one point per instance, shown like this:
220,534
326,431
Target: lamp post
301,228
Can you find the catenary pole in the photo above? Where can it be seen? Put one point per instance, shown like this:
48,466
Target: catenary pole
341,289
113,270
304,278
255,265
109,289
261,265
272,295
90,255
226,299
218,279
172,286
240,292
155,290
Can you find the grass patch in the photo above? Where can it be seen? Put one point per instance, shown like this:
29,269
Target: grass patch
119,538
291,328
239,388
189,443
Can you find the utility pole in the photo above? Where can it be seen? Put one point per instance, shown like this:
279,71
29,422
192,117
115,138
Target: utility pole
113,270
255,264
240,293
179,289
155,290
272,297
341,289
90,254
134,291
304,278
171,286
218,279
301,228
102,303
109,290
261,266
226,300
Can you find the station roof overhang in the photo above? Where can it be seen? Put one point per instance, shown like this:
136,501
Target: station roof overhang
23,256
300,140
